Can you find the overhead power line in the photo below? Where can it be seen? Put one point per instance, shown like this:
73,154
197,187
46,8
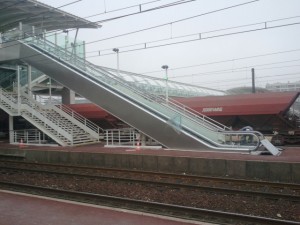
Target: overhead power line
159,7
236,70
140,10
227,60
121,9
224,81
177,21
238,82
147,10
173,22
145,45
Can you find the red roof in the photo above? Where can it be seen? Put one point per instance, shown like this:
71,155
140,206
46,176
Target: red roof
90,111
245,104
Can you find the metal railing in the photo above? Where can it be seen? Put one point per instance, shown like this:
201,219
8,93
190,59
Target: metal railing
158,85
94,127
30,136
198,123
115,81
56,105
119,137
45,119
63,111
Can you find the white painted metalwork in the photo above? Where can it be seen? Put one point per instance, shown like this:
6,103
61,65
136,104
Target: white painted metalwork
128,137
158,85
60,123
169,122
121,137
29,137
208,129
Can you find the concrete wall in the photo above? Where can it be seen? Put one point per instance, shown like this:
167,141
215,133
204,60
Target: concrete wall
269,171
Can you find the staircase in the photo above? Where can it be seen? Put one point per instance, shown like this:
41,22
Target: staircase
59,122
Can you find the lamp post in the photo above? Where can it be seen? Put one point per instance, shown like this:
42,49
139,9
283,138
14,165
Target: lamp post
116,50
165,67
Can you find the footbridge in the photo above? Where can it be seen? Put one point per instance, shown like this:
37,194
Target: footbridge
170,123
165,120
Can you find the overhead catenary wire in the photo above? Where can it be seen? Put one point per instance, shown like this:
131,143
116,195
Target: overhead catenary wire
224,81
210,63
139,8
227,60
233,59
149,28
53,32
147,10
236,70
172,22
198,39
200,34
121,9
256,77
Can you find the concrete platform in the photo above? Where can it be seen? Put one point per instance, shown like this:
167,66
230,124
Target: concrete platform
23,209
283,168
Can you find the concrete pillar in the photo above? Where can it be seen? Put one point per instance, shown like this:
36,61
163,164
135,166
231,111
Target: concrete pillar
11,128
68,96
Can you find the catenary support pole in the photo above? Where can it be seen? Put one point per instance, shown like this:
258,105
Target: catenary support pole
253,80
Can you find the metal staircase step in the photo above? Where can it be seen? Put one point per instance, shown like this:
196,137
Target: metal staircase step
58,120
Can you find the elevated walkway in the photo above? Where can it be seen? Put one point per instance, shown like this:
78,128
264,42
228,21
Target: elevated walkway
166,121
158,85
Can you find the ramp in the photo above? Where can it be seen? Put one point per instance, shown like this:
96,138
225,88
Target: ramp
271,148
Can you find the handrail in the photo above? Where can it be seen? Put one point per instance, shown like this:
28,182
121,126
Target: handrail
192,90
32,136
83,64
117,84
76,116
80,118
194,115
33,109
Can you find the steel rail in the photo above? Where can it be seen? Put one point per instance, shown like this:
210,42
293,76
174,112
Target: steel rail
293,186
293,198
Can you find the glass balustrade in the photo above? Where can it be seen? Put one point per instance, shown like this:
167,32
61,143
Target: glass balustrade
199,125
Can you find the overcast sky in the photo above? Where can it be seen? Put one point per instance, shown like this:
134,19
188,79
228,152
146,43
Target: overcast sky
197,62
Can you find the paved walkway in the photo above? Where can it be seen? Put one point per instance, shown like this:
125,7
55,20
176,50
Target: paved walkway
23,209
289,154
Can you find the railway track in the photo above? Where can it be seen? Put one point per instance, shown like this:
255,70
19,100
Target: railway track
192,180
187,191
276,196
197,214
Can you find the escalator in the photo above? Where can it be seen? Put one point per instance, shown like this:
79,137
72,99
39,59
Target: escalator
165,120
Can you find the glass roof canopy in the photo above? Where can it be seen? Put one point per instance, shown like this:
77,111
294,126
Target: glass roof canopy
40,15
158,85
